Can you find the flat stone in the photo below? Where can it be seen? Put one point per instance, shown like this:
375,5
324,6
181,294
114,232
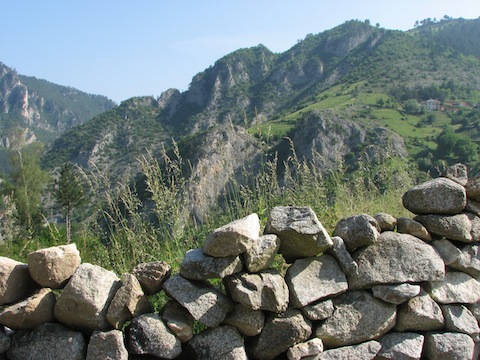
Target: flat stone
35,310
420,313
357,231
448,252
281,332
358,317
458,173
386,221
178,320
414,228
84,302
454,227
262,254
107,345
401,346
148,335
396,294
248,321
468,261
457,287
205,303
196,265
437,196
152,275
15,281
319,311
459,319
53,266
234,238
310,348
265,290
340,253
313,279
365,351
299,230
394,259
448,346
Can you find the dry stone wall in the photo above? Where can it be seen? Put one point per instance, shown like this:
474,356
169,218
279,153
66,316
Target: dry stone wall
377,288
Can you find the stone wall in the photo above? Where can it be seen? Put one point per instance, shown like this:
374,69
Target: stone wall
379,287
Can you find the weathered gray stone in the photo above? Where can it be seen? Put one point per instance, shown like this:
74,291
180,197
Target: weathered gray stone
437,196
448,252
234,238
469,260
414,228
459,319
52,267
365,351
261,255
319,311
420,313
84,302
473,207
457,287
47,341
196,265
475,310
386,221
299,230
453,227
473,188
401,346
313,279
458,173
396,294
358,317
339,251
265,290
148,335
448,346
152,275
15,281
205,303
35,310
4,342
309,348
223,342
394,259
248,321
107,346
357,231
281,332
178,320
129,302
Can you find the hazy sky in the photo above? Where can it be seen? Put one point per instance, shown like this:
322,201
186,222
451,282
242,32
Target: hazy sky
121,48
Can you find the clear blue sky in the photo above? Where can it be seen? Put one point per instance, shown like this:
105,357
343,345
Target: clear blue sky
121,48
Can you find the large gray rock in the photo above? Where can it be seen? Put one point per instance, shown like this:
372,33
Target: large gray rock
420,313
107,346
52,267
47,341
458,173
262,254
401,346
365,351
129,302
313,279
205,303
319,311
457,287
299,230
447,251
340,253
265,290
357,231
448,346
196,265
358,317
148,335
178,320
281,332
437,196
234,238
15,281
454,227
469,260
396,294
459,319
309,348
386,222
473,188
248,321
396,258
35,310
152,275
223,342
414,228
84,302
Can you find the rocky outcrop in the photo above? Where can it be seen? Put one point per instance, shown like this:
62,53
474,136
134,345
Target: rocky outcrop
377,294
